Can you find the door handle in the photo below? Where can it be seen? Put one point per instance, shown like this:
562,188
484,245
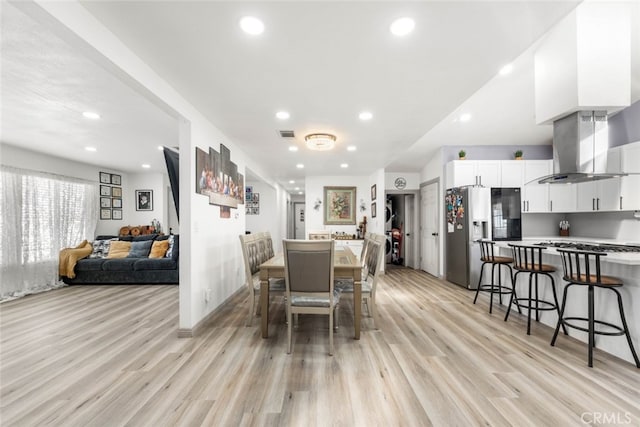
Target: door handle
408,234
593,204
598,203
434,234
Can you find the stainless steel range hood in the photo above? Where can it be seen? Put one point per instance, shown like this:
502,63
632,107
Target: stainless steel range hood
580,144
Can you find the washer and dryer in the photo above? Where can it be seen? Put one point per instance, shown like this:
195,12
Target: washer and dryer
387,230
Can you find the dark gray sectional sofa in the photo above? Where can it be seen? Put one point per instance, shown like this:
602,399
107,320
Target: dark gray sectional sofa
128,270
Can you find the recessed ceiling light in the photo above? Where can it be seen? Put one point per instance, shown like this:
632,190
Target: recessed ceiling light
402,27
465,117
91,115
506,69
344,165
300,192
365,115
251,25
297,188
90,149
352,148
300,166
146,166
292,182
282,115
160,147
293,148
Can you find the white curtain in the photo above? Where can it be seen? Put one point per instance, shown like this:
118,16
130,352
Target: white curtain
39,215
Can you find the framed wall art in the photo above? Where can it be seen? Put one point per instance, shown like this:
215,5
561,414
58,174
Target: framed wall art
116,203
116,192
116,179
117,214
105,202
373,192
105,178
373,210
144,200
105,213
105,190
340,205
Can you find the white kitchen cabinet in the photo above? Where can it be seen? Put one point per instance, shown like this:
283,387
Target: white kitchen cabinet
562,198
354,245
512,173
630,157
602,195
473,172
629,193
535,197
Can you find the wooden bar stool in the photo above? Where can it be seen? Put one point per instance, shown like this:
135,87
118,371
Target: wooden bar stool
487,256
528,259
579,269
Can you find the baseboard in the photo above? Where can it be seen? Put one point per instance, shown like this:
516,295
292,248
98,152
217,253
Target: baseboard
197,329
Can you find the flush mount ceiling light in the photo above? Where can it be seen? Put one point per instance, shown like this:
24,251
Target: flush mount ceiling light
251,25
91,115
402,27
320,141
160,147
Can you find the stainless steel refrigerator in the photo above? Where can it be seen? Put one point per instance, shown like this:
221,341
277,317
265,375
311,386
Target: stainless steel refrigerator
468,216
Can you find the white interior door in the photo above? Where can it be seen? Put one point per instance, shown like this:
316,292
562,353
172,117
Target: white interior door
298,213
429,224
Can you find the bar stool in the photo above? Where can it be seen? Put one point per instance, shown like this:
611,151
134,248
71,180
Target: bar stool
577,266
528,259
487,256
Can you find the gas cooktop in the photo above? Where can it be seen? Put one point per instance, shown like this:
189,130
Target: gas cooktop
596,247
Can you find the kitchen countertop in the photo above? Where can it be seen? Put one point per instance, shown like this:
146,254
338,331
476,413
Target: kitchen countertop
627,258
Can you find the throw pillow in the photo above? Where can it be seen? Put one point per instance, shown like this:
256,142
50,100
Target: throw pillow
140,249
119,249
159,249
100,248
171,240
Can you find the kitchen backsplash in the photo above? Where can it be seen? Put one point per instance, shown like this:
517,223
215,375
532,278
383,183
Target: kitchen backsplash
542,224
607,225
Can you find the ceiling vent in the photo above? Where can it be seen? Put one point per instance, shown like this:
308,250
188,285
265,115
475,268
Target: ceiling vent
287,134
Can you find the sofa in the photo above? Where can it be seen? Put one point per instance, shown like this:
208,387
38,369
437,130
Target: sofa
112,263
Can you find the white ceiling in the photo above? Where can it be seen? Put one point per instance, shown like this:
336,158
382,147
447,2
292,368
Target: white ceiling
324,62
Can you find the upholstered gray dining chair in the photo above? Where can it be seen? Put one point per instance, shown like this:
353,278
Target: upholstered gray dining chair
308,266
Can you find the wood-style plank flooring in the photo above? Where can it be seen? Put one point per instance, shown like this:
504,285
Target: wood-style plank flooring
110,356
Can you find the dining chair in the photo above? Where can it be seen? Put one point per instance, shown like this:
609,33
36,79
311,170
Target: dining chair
320,235
372,268
254,252
308,267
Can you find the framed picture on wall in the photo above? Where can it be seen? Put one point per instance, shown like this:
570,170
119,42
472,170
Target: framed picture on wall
105,190
144,200
373,192
116,192
116,179
105,178
116,203
117,214
105,213
373,210
105,202
340,205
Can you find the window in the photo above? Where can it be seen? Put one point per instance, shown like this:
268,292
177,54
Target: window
39,215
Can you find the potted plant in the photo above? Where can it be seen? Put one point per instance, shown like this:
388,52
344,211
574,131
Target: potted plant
518,154
462,154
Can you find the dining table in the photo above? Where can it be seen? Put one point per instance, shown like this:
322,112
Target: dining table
345,264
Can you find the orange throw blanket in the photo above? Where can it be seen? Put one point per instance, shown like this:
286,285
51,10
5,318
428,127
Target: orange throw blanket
69,257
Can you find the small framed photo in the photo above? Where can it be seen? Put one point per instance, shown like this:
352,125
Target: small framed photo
144,200
373,192
105,190
248,189
105,202
116,192
116,179
116,203
105,178
373,210
117,214
105,213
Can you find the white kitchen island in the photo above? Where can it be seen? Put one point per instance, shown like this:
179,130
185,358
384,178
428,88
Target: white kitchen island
625,266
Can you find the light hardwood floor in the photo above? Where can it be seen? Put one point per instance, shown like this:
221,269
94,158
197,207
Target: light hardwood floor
110,356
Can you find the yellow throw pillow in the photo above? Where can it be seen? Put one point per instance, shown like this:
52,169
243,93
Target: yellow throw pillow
119,249
159,249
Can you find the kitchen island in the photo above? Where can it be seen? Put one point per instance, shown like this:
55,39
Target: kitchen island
623,265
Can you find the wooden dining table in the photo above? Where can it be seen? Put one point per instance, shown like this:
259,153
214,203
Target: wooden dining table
345,264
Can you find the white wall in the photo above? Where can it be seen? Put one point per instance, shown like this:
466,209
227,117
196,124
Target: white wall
25,159
314,185
412,180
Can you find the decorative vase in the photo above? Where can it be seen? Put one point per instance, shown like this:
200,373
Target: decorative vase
462,158
519,158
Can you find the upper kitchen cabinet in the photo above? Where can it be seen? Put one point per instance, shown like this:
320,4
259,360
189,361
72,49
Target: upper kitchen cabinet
535,196
562,198
473,172
584,62
603,195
